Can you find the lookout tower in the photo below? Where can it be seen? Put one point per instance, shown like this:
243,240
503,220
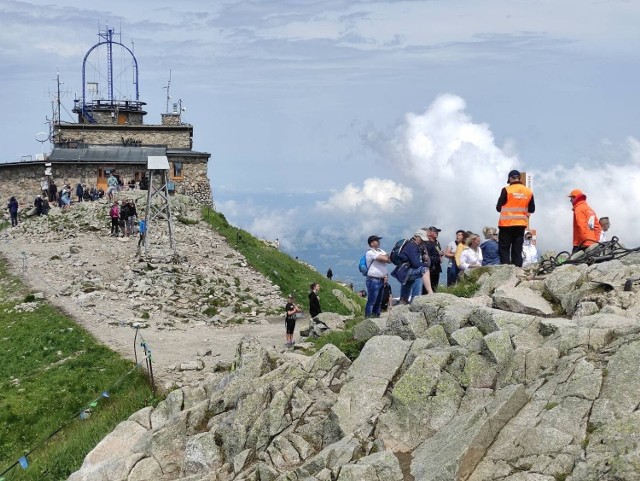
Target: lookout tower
102,102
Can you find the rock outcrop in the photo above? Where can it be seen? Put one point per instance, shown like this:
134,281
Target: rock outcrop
529,380
448,389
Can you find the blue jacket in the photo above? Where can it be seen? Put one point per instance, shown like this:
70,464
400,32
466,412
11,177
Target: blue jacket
490,254
413,254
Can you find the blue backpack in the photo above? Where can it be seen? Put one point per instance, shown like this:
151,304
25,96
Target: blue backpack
362,265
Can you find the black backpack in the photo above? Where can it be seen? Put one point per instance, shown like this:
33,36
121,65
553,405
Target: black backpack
396,256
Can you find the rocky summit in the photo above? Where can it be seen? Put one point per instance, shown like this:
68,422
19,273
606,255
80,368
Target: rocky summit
532,379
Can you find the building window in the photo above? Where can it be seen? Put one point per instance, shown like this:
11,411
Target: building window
177,170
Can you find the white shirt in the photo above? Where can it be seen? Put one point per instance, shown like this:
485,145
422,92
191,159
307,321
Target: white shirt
603,236
529,254
469,258
376,268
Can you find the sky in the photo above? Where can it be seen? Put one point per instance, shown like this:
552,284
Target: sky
328,121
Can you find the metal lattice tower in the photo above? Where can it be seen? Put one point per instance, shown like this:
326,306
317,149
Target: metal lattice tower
161,208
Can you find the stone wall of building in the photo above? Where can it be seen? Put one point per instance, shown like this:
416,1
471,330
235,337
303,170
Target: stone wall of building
133,118
173,137
23,181
170,119
195,182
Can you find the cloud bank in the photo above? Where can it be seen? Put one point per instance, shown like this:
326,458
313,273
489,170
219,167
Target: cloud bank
443,168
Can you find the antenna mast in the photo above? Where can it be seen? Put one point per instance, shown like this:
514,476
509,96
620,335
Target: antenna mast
168,87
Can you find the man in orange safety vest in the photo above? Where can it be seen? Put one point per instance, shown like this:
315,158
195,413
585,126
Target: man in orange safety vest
515,205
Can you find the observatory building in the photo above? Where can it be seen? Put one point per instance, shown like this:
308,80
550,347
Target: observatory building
110,136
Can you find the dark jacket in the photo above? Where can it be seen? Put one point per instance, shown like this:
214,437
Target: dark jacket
314,304
434,256
13,206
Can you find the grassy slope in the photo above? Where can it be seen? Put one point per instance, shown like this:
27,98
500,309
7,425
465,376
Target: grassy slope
287,273
51,369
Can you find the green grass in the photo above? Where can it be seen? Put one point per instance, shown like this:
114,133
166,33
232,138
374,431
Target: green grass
50,370
291,276
343,340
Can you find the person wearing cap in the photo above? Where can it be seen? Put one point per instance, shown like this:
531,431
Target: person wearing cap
415,266
377,260
515,205
586,227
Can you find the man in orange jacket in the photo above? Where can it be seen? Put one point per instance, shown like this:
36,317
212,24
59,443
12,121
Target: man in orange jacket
586,227
515,204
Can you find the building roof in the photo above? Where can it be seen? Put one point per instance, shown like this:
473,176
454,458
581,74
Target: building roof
106,153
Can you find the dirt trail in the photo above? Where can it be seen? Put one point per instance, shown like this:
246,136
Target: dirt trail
52,259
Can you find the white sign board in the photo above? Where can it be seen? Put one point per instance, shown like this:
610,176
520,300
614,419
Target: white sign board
157,162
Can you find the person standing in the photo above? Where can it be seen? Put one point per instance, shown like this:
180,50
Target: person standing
387,296
329,274
377,261
413,267
515,205
314,300
53,192
604,225
79,191
586,227
489,247
112,186
450,253
142,229
291,309
114,214
529,251
435,256
13,211
471,256
44,187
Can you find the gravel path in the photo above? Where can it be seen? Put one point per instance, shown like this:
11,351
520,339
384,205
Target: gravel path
100,282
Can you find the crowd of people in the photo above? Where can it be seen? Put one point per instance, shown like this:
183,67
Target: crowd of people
123,214
421,256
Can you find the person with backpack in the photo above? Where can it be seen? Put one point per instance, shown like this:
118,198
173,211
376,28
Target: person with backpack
376,270
414,266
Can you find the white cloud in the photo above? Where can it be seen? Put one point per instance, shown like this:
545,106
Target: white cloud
376,195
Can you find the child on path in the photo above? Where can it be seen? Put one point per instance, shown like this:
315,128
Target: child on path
290,320
142,228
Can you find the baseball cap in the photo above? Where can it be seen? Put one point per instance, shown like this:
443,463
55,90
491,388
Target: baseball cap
422,234
575,193
514,173
434,229
373,238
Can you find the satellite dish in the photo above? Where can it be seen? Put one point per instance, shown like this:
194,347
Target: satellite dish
42,137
